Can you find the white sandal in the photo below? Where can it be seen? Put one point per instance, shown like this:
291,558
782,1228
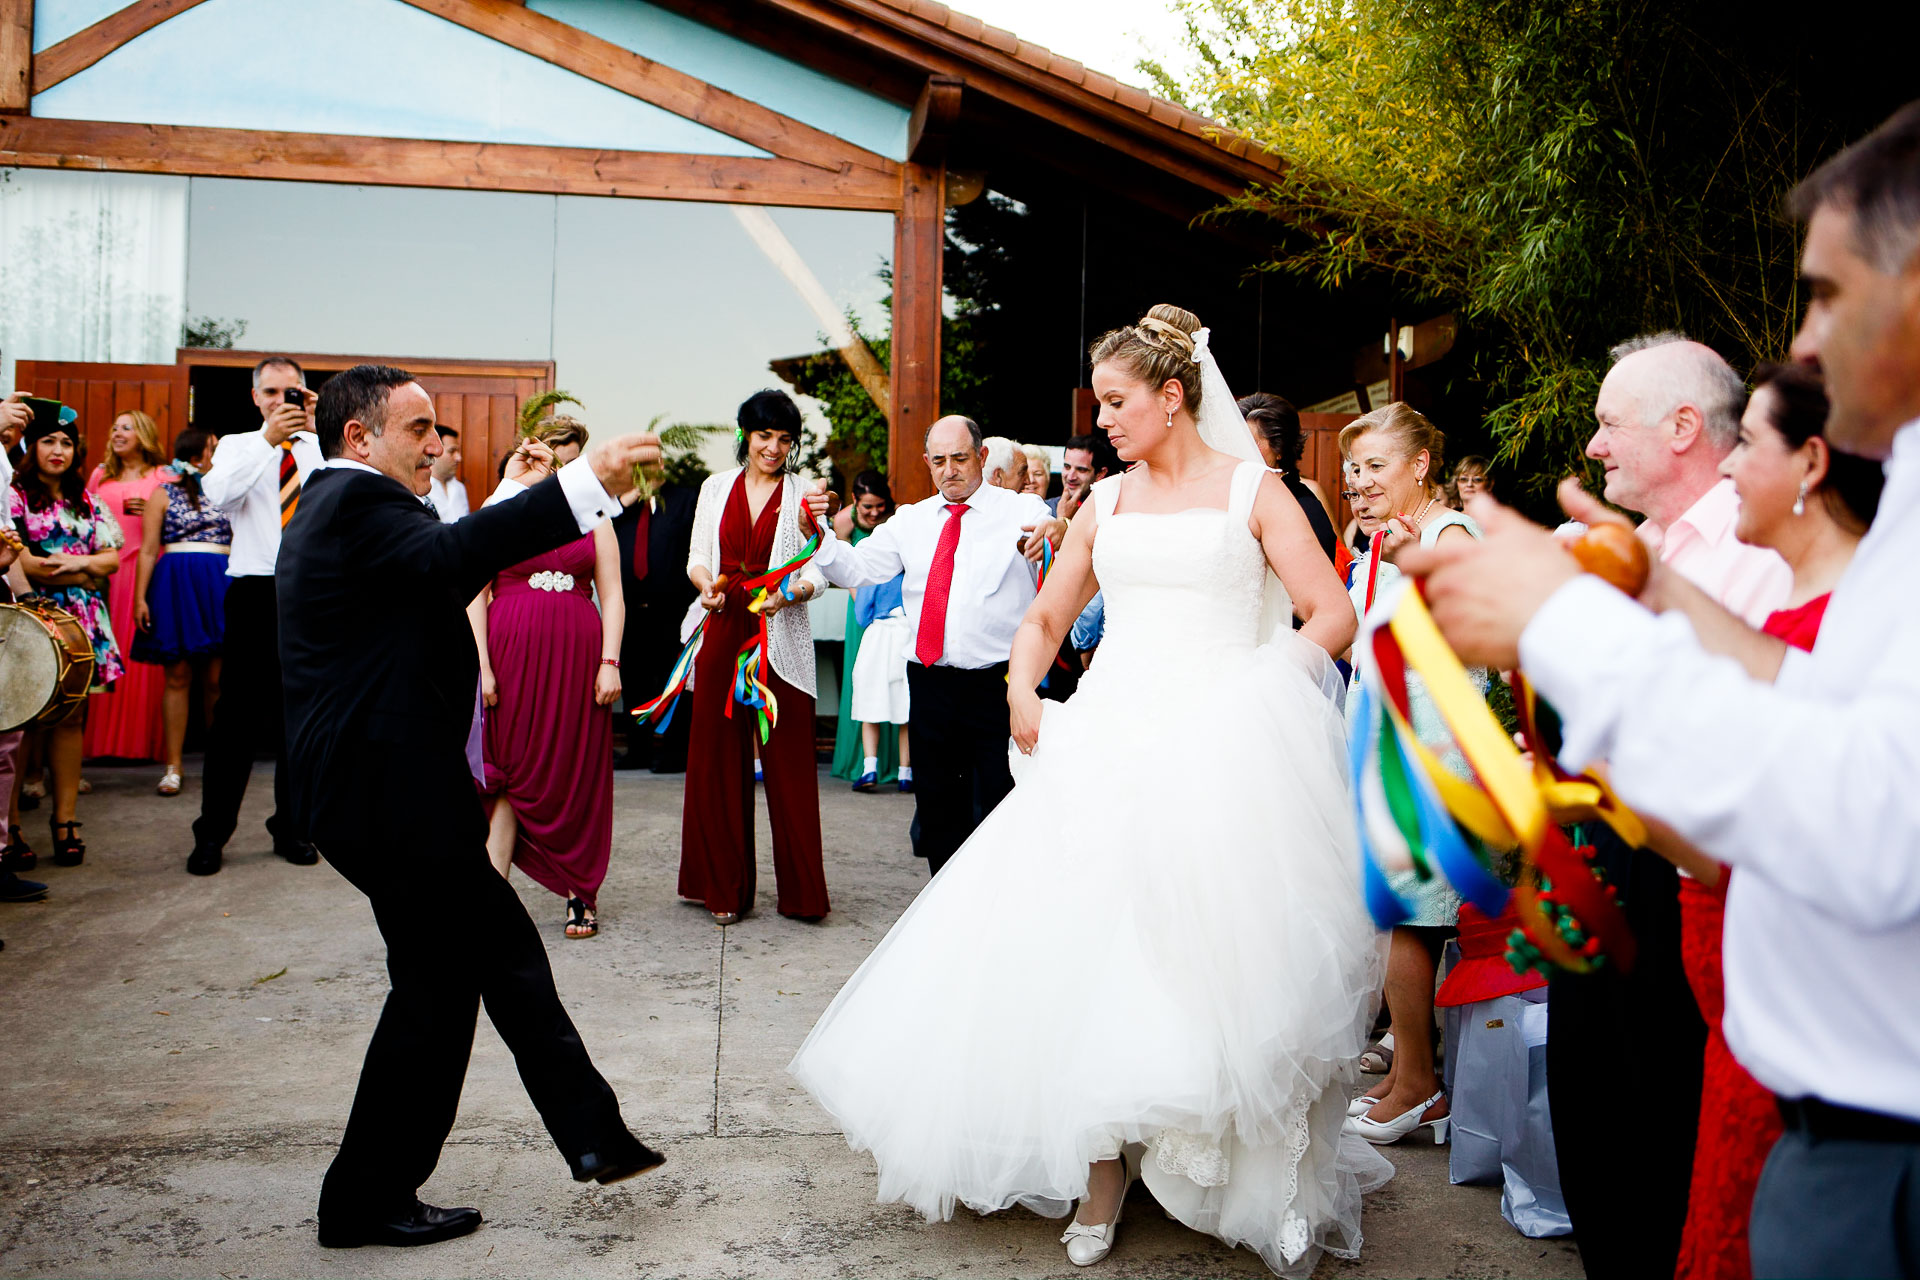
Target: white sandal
1384,1133
1089,1242
169,783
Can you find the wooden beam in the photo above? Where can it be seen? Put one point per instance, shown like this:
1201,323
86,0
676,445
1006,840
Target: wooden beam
934,117
84,48
401,162
640,77
919,238
16,56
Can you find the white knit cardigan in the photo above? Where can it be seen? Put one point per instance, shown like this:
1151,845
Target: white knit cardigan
789,633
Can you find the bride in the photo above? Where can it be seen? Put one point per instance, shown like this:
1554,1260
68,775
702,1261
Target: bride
1173,977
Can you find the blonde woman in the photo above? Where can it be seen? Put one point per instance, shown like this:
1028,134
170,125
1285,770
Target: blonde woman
126,722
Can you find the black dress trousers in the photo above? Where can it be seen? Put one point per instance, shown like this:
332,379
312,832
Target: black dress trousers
959,724
247,721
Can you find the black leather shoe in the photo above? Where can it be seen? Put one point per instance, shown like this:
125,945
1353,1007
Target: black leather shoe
299,853
632,1158
203,861
422,1224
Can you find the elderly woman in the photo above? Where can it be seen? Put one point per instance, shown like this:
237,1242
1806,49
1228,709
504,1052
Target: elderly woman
1394,458
749,520
72,548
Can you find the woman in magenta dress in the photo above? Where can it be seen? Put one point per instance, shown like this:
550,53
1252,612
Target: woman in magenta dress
125,721
549,674
747,521
1812,506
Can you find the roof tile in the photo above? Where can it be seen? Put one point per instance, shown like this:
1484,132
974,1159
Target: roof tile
1004,41
1068,69
1100,84
1034,55
1136,99
964,25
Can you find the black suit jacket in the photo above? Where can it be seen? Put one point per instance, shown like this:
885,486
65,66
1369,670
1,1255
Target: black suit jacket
669,537
378,660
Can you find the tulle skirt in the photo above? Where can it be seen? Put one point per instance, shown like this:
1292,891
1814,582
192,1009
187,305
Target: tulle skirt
1157,938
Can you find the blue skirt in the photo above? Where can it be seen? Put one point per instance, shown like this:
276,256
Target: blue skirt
188,600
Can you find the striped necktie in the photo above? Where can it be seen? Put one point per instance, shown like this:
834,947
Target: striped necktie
289,483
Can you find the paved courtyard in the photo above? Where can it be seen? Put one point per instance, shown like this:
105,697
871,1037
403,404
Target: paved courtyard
180,1054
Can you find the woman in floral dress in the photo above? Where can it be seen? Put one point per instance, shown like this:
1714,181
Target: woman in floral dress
72,548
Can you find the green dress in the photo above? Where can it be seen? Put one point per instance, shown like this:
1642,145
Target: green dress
847,756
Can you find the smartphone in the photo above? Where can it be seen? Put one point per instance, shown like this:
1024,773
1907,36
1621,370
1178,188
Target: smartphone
295,396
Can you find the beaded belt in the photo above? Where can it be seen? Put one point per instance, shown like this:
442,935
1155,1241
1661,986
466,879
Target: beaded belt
215,547
546,580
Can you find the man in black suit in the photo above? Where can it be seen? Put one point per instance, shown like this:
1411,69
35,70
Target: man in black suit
380,669
654,539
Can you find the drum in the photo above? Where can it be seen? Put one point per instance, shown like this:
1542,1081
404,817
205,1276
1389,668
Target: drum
46,665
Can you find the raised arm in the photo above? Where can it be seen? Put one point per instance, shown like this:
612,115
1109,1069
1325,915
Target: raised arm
1069,585
1304,570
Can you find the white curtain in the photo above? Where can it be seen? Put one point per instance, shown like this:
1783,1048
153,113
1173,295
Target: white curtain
93,266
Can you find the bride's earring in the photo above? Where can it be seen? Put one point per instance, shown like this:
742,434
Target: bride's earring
1169,419
1800,503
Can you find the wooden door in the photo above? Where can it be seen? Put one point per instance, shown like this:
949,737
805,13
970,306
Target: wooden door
1320,459
101,392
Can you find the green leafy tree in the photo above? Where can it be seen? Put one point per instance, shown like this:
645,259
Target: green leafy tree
1563,173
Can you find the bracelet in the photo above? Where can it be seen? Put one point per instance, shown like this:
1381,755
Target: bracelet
610,662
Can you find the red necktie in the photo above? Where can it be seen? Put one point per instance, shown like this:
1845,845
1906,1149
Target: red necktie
933,606
640,540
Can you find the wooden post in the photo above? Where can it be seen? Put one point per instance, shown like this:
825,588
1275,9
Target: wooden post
16,56
919,234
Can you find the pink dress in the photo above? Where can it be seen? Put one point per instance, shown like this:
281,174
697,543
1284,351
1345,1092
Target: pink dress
546,746
125,721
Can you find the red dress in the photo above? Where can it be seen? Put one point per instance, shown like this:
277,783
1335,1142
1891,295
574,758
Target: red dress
717,865
124,722
1738,1119
547,746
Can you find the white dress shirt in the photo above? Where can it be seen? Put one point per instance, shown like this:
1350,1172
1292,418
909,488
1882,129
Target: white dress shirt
243,484
1700,546
993,582
586,496
449,500
1809,787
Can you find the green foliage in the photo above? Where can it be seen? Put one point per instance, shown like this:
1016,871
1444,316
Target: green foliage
1564,173
681,444
540,406
212,332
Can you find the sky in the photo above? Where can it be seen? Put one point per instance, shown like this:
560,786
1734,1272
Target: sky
1107,35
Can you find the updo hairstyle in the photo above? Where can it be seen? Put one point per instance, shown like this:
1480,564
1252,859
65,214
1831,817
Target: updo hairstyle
1157,350
1851,487
560,430
768,411
1410,432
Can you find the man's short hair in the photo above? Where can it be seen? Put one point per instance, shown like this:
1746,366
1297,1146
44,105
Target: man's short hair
1707,382
999,454
1096,443
446,432
360,392
973,430
282,361
1878,180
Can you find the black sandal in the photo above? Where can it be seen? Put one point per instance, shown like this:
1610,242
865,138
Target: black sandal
70,849
580,916
17,856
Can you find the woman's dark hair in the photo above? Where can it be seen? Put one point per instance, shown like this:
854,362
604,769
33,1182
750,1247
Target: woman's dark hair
1852,485
1278,423
187,447
70,488
876,484
768,411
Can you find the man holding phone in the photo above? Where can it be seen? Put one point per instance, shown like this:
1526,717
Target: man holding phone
255,482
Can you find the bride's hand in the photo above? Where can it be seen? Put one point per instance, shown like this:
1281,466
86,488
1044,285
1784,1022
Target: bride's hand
1024,709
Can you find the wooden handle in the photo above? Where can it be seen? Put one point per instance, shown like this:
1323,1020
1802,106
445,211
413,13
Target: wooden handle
1614,554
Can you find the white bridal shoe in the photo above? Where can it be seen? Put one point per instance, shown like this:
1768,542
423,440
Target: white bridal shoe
1089,1242
1383,1133
1361,1105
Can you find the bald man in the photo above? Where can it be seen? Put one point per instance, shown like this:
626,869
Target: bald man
1668,412
969,556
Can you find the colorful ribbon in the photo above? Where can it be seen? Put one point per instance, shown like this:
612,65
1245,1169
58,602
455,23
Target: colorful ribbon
1412,809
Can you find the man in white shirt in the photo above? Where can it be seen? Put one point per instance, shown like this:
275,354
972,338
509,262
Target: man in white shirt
1668,412
445,492
968,554
255,482
1801,770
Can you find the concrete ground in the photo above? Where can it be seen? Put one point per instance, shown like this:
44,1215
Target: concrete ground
179,1055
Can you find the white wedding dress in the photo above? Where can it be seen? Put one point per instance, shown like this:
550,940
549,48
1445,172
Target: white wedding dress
1157,938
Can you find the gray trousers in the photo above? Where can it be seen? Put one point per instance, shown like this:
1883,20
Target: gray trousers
1828,1208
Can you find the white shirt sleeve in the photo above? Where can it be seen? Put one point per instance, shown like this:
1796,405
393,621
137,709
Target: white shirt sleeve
1814,794
586,496
876,559
238,464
